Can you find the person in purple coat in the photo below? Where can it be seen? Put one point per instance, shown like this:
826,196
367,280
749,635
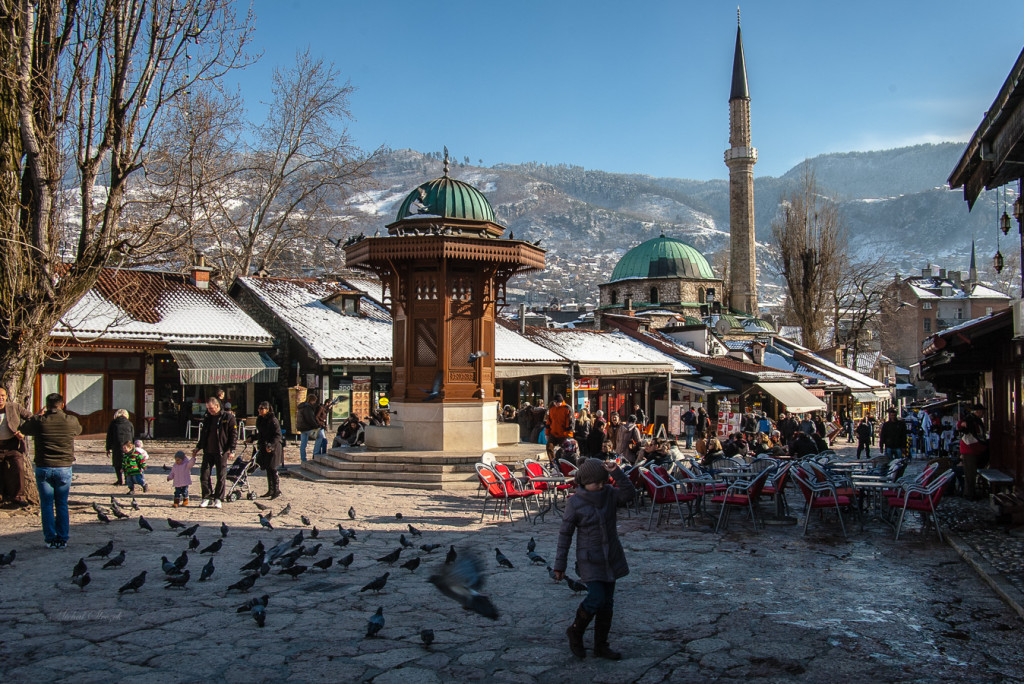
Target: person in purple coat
591,514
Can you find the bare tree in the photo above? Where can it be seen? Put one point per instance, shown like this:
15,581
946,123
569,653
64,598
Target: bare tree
857,304
85,84
808,251
271,197
1008,280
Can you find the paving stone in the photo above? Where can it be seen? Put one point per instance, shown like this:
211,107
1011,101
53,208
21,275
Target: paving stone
709,645
407,675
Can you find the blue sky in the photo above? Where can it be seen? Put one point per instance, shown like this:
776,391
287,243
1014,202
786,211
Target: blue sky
643,87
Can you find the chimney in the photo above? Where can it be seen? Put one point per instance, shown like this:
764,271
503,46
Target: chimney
926,272
522,319
200,274
942,273
757,352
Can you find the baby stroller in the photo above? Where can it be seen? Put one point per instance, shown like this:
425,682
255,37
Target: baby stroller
238,477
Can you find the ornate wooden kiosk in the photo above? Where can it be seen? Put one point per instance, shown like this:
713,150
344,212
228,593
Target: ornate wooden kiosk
444,265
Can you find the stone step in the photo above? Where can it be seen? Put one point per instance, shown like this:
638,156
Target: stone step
362,456
317,472
389,467
433,476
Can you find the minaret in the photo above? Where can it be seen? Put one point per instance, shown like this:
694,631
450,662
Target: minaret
972,274
740,158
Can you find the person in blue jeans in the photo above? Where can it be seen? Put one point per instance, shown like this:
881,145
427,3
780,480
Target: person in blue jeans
54,432
690,426
306,423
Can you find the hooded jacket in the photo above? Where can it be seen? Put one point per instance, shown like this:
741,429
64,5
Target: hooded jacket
592,516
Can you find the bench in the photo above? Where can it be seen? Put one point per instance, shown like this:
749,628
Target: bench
996,479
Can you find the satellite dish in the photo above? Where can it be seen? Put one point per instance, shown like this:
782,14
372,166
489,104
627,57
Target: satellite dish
722,326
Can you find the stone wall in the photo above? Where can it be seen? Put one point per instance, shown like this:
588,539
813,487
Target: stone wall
670,291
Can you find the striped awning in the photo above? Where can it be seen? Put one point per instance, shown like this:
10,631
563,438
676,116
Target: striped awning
204,367
506,371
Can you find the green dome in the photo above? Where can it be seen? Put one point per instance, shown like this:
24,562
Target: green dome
663,257
448,198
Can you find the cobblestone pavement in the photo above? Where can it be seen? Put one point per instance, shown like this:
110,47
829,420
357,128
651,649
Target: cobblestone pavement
697,606
1002,546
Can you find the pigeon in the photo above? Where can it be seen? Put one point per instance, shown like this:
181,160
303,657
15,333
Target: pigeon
429,548
81,580
177,581
552,574
376,623
305,521
245,584
259,549
294,571
264,569
189,531
181,561
462,581
115,502
248,605
377,584
80,568
535,558
174,524
314,533
427,637
351,513
254,564
297,539
435,390
135,505
193,543
135,583
144,524
119,512
346,560
259,614
169,567
207,571
342,542
391,557
452,555
576,586
223,530
103,518
503,561
312,550
476,356
9,558
103,551
265,522
285,562
261,506
325,563
405,542
99,509
414,532
531,545
115,562
411,565
398,516
286,510
279,550
166,468
214,547
348,534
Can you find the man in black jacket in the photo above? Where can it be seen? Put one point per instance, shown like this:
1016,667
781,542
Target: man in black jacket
892,438
54,433
218,438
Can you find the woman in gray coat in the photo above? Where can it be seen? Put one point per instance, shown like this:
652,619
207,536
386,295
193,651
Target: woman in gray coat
269,448
591,513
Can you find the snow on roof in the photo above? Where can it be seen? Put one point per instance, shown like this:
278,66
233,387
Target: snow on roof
922,293
866,361
152,306
329,335
602,346
984,292
834,372
511,347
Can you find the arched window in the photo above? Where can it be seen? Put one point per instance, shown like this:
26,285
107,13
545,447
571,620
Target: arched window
701,295
654,295
615,296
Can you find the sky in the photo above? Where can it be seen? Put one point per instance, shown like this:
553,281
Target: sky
643,86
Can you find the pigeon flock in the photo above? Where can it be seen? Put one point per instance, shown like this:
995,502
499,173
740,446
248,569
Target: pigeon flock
460,576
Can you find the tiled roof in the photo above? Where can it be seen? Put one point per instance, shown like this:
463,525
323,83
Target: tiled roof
152,306
329,335
511,347
601,346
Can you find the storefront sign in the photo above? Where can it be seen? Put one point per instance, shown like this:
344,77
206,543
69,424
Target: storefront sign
585,384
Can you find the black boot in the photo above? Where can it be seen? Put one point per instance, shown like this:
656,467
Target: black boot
576,630
603,625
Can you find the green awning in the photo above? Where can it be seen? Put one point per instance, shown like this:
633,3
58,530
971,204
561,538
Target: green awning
205,367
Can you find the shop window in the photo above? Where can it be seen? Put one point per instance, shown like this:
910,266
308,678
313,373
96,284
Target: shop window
122,394
84,393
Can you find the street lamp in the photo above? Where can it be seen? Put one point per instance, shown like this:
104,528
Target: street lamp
998,262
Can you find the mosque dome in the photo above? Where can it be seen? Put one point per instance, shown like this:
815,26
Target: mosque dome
448,198
663,257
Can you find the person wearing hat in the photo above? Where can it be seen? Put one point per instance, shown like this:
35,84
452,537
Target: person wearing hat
600,560
892,438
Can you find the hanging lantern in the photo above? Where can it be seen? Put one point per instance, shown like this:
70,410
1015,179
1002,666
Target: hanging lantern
998,262
1004,223
1018,209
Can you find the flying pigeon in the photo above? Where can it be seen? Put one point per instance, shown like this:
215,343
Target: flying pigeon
135,583
435,391
476,355
462,581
